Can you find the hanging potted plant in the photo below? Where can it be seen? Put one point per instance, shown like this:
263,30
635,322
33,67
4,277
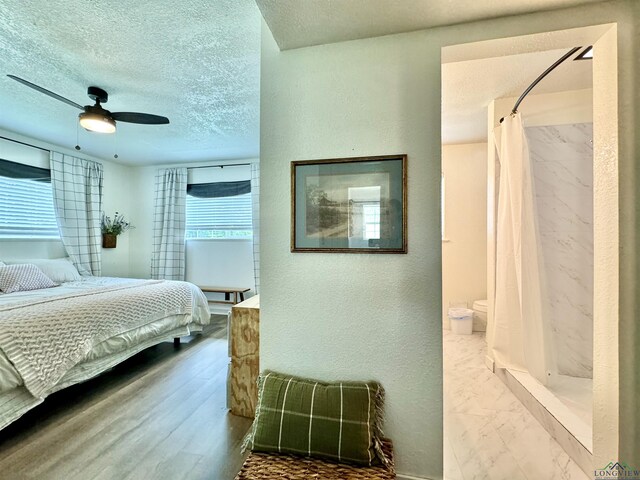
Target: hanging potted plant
112,228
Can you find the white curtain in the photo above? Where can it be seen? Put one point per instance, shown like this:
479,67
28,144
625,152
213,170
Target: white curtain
169,222
77,197
521,331
255,211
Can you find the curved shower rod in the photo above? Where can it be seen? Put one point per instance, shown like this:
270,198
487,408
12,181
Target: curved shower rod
514,110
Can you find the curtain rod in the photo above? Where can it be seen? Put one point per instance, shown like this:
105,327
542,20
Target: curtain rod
188,168
220,166
514,110
24,143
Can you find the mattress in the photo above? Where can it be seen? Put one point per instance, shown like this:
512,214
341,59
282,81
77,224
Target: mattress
15,399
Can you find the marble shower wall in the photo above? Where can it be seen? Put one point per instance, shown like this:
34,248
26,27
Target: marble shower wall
562,158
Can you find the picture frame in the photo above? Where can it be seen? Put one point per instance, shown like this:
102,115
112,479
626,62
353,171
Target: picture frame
349,205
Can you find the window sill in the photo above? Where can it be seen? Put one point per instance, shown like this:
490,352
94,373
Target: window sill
30,239
219,239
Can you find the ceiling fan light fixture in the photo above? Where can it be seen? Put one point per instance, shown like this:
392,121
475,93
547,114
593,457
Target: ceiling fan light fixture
96,122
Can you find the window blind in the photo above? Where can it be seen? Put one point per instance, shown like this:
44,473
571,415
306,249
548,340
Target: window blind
219,189
11,169
26,209
222,217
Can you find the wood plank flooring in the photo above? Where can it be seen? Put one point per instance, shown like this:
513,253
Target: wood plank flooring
160,415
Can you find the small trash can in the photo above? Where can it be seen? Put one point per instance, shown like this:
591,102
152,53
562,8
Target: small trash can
461,320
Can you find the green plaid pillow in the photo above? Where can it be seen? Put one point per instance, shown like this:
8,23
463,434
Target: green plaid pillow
339,421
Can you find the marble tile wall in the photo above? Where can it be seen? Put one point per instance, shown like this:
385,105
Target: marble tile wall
562,158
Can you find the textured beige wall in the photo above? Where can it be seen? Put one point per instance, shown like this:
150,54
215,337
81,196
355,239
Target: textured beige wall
464,252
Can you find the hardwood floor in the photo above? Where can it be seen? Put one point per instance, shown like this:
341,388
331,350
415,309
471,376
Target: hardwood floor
160,415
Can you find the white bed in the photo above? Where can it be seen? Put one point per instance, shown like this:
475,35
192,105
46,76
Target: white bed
56,337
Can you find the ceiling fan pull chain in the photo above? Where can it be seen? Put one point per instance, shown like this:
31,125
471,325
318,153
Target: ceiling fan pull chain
77,136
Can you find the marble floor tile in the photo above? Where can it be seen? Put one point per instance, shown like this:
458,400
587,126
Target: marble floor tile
479,450
451,468
537,453
488,433
477,390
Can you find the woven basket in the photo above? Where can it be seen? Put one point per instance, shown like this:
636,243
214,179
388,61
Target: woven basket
265,466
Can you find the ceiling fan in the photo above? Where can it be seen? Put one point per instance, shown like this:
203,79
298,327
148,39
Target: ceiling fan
95,118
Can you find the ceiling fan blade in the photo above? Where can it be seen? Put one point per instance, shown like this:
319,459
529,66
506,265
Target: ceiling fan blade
45,91
134,117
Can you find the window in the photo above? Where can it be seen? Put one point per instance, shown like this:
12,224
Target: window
371,222
222,217
26,209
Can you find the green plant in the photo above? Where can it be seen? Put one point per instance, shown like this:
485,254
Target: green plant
116,226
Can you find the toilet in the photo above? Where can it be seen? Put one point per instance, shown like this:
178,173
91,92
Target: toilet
479,315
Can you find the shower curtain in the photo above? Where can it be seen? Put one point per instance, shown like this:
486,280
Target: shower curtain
521,331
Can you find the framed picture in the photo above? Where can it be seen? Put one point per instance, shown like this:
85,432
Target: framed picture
349,205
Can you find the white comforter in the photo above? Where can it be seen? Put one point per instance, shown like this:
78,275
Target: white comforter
159,324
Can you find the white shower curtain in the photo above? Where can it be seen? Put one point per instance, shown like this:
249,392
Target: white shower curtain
521,331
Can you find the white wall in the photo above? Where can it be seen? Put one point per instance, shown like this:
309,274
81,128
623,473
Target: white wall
221,263
117,196
379,316
464,250
14,249
142,217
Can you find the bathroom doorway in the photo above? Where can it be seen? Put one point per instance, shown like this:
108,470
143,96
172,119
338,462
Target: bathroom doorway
490,402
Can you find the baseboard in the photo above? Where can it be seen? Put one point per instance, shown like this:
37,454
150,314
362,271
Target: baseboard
400,476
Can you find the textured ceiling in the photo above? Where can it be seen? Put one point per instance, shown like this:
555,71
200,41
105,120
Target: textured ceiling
198,63
194,61
469,86
296,23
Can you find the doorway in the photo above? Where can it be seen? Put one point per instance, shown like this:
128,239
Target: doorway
486,403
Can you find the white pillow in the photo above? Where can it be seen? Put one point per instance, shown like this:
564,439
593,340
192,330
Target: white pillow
57,269
23,277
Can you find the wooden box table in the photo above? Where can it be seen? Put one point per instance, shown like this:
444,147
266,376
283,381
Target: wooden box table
244,338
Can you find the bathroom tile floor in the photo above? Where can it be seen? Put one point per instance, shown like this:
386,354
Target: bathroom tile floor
488,433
